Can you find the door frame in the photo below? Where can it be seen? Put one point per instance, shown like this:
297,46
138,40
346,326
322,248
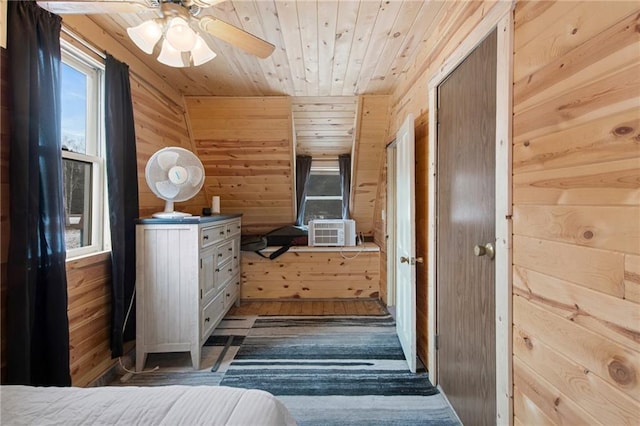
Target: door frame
500,17
390,232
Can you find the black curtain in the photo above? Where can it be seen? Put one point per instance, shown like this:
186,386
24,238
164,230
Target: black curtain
303,170
37,322
344,161
122,186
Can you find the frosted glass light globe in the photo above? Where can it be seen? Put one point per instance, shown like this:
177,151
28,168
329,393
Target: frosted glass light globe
180,36
146,35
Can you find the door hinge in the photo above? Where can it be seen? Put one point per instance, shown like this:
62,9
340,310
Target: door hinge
437,341
200,263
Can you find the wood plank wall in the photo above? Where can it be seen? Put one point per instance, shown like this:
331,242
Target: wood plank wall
324,125
4,205
576,162
246,146
380,226
159,123
576,218
452,23
311,275
367,161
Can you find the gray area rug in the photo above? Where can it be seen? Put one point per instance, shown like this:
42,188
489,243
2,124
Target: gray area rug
328,370
336,371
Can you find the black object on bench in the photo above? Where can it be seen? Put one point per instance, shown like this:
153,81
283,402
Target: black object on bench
285,237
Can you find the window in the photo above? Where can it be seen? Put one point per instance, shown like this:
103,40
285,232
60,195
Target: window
83,153
324,192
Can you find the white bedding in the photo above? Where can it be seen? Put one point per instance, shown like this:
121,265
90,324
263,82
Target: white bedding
162,405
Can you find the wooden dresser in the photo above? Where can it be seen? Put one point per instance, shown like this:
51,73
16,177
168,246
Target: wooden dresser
187,278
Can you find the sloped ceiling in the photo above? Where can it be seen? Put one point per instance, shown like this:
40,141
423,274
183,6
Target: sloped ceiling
323,48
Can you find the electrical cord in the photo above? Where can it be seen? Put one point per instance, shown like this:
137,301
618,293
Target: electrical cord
126,319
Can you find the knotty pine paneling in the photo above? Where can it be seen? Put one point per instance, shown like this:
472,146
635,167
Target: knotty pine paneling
451,25
311,275
246,146
89,298
576,191
324,126
368,160
380,227
159,123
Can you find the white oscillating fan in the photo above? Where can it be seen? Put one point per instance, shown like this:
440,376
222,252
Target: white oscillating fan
174,174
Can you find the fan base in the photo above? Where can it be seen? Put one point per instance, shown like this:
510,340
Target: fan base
170,215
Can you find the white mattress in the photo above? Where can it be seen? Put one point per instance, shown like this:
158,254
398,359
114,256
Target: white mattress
162,405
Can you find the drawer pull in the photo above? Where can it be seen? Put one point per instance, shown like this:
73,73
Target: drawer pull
207,319
219,254
228,294
205,237
221,232
230,270
217,269
229,249
228,230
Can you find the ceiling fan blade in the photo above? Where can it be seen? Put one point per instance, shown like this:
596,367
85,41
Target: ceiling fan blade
87,7
237,37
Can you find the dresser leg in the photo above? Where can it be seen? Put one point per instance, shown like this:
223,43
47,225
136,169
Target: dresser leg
195,357
141,360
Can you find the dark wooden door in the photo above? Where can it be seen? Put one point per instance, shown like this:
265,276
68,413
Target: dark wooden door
465,204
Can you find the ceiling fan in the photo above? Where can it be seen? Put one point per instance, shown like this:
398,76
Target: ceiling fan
181,45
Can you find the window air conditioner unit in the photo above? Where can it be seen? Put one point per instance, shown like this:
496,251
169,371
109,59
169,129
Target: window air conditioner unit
332,232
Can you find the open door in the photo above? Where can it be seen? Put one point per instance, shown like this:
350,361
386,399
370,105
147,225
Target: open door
406,241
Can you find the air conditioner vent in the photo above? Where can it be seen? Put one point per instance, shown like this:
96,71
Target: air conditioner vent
330,232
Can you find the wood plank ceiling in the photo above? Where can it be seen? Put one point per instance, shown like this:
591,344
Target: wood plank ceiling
327,52
323,47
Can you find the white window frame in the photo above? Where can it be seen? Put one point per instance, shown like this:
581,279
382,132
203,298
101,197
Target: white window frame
95,149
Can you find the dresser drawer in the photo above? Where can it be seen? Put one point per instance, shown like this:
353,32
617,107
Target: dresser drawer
232,292
225,252
212,313
224,273
233,228
212,235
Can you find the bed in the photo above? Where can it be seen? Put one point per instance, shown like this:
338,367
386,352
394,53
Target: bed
161,405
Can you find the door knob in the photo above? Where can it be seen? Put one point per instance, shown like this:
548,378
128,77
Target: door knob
486,249
412,260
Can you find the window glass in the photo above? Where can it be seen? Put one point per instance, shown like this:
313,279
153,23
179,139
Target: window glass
324,194
324,185
322,209
82,153
77,195
74,109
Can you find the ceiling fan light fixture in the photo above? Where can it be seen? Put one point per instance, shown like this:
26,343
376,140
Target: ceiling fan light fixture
180,35
170,56
146,35
201,52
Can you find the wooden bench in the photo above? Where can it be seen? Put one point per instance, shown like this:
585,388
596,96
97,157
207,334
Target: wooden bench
312,273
